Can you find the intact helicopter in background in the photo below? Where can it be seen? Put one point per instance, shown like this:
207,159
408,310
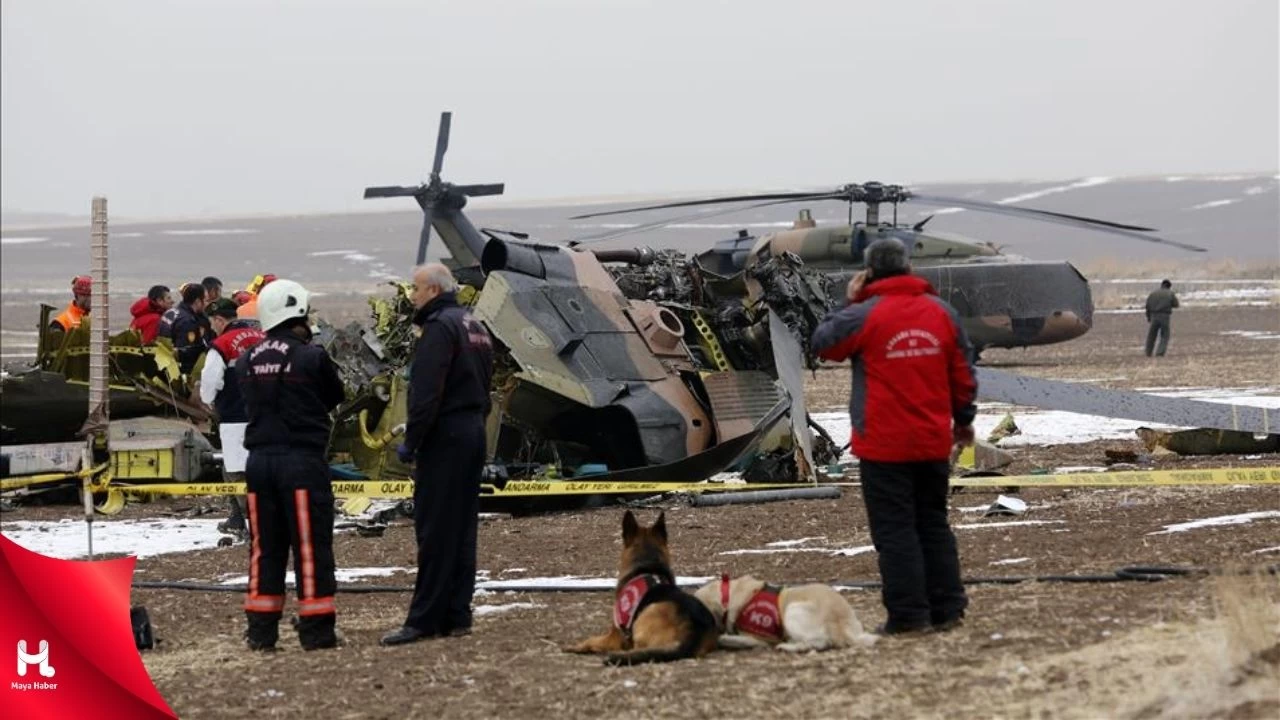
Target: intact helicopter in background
1006,301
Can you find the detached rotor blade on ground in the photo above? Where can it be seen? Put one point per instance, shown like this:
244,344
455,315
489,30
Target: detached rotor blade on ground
811,195
428,214
658,224
481,190
442,142
1080,221
390,191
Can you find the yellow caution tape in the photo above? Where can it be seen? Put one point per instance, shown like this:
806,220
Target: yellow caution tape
523,488
22,481
404,488
1200,476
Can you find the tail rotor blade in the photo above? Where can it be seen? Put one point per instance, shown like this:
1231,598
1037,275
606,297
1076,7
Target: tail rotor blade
442,142
424,238
389,191
480,190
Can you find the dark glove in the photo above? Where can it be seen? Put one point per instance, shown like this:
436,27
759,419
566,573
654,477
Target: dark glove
404,453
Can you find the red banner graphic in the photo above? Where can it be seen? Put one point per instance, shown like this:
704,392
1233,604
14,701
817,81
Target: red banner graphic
68,623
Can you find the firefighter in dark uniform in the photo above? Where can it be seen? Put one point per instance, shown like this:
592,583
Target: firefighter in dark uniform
289,388
445,438
187,327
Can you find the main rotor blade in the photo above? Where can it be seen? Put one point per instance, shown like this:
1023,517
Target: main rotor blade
390,191
480,190
428,214
620,232
1017,210
1088,223
788,196
442,142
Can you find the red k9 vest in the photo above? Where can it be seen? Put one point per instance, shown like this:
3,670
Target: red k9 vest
631,599
759,617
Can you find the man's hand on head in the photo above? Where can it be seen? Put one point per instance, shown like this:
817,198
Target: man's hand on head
856,284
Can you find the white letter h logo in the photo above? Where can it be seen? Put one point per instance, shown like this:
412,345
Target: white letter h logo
41,658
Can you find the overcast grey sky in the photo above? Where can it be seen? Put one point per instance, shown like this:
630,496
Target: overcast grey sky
225,107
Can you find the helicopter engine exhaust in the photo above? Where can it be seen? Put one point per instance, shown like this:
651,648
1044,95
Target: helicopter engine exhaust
513,257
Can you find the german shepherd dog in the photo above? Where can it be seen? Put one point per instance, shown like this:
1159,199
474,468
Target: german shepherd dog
653,620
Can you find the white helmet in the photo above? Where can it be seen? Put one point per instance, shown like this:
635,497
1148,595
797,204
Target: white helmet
280,301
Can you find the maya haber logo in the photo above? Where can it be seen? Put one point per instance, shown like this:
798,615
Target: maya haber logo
38,659
67,623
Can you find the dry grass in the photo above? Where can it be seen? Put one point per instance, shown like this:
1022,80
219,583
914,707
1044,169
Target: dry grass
1233,665
1217,268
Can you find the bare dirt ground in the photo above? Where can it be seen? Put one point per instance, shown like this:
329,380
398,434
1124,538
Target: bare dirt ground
1189,647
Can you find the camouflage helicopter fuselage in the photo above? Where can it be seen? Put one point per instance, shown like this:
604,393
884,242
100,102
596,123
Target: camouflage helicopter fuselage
587,379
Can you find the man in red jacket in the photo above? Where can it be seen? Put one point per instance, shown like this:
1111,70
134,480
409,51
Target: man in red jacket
147,311
912,399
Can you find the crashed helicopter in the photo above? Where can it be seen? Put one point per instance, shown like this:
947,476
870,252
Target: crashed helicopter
642,364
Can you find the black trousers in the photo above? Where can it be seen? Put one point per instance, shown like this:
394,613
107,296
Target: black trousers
919,564
290,501
446,510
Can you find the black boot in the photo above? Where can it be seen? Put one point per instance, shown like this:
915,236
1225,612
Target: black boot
318,632
263,630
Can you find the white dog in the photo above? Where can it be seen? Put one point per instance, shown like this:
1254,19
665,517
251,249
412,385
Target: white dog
802,617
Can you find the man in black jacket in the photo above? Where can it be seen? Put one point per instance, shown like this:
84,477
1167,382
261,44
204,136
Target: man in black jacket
448,400
187,327
289,388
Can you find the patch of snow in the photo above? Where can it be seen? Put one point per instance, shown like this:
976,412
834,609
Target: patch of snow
342,574
850,552
1264,550
571,582
326,253
1087,182
481,610
1011,523
22,240
66,538
1231,293
213,231
1219,521
1252,334
793,543
1079,469
1255,190
1215,203
1010,561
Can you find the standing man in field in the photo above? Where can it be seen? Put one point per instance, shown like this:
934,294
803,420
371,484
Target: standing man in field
912,399
290,386
445,438
1160,305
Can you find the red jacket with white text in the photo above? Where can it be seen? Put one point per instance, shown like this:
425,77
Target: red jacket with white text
912,375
